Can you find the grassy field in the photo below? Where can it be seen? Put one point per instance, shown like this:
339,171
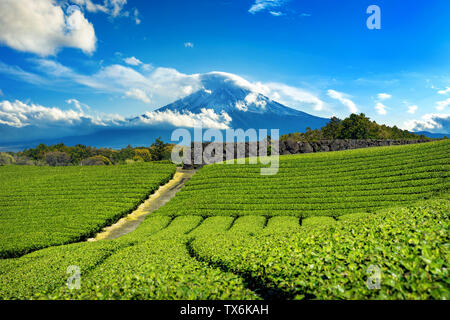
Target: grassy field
46,206
317,230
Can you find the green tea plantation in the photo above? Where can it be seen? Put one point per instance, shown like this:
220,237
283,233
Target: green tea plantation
360,224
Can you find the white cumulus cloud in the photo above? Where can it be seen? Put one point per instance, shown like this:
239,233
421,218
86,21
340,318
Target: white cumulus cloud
133,61
384,96
42,27
412,109
241,105
261,5
18,114
110,7
430,122
164,85
138,94
290,96
80,106
90,6
441,105
113,8
444,91
252,98
188,44
276,13
381,108
344,99
207,118
136,16
21,121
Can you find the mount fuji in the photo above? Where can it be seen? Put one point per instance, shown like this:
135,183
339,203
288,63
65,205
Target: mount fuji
230,95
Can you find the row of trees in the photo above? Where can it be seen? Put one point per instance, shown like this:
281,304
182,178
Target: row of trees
353,127
62,155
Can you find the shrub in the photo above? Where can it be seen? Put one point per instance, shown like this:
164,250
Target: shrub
143,154
158,150
138,159
96,161
6,159
57,158
24,161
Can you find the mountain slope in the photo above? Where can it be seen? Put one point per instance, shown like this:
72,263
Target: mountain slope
432,134
246,107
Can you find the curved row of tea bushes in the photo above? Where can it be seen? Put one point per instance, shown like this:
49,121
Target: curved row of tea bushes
409,247
47,206
320,184
151,263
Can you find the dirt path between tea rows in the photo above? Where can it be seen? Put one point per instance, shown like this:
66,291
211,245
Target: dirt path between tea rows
154,202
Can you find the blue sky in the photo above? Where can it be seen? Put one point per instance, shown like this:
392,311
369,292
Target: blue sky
119,58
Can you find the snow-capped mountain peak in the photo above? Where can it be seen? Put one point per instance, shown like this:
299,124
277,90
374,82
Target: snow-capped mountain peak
229,93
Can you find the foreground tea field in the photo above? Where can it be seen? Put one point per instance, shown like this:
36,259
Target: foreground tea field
326,250
220,257
45,206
